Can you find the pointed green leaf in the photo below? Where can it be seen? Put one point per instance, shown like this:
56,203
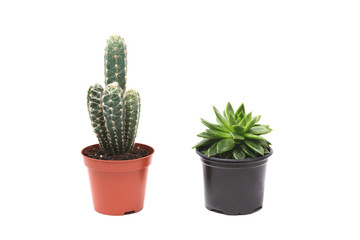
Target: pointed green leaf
266,150
248,118
237,136
218,133
204,142
238,153
213,126
238,129
207,135
258,117
225,145
240,109
242,123
263,143
212,151
262,125
259,130
231,119
220,119
229,110
241,115
254,146
249,125
253,136
248,151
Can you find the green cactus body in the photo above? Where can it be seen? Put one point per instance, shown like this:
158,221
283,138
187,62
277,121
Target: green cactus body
114,110
115,61
94,103
132,114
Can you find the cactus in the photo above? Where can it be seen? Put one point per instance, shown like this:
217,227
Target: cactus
95,108
115,61
132,100
115,112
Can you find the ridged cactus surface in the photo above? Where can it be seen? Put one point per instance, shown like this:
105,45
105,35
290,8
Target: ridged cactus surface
132,103
115,61
114,109
95,108
115,112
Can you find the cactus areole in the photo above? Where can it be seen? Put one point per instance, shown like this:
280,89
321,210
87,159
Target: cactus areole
114,111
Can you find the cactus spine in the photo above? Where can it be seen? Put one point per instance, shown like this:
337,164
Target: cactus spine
115,112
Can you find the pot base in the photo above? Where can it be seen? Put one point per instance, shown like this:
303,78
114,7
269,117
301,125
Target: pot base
117,214
231,213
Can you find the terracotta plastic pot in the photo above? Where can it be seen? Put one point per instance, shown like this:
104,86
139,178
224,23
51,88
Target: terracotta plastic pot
234,187
118,187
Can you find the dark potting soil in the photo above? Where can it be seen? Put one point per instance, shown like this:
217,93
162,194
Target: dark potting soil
97,153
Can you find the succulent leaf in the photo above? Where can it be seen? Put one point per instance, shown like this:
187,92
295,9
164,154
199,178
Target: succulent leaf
240,109
218,133
238,153
225,145
239,129
212,151
259,130
220,119
208,135
237,136
254,146
248,150
204,142
253,136
249,125
213,126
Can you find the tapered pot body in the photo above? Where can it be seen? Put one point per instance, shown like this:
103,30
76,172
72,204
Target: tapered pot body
118,186
234,187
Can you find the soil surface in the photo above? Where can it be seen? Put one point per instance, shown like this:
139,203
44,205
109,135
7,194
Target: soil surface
95,152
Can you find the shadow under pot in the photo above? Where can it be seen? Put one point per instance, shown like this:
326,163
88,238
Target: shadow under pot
234,187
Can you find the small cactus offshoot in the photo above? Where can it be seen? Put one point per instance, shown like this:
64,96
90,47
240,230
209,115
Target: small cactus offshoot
236,136
115,111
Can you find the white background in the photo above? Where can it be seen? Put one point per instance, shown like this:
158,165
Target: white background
294,62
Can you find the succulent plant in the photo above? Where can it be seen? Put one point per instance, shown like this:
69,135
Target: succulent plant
114,112
236,136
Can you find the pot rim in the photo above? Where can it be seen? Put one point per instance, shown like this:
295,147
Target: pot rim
246,160
141,145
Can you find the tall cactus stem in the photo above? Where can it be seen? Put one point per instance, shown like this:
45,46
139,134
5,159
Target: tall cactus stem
132,114
115,61
114,111
95,109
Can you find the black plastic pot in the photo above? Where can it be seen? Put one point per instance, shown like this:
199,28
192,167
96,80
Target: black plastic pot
234,187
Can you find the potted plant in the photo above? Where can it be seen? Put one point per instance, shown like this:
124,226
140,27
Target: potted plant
117,166
234,157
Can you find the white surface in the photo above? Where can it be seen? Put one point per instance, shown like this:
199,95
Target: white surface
294,62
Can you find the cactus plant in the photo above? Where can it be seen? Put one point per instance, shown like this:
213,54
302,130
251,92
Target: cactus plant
236,136
114,112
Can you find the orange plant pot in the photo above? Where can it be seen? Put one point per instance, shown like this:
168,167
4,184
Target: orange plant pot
118,187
